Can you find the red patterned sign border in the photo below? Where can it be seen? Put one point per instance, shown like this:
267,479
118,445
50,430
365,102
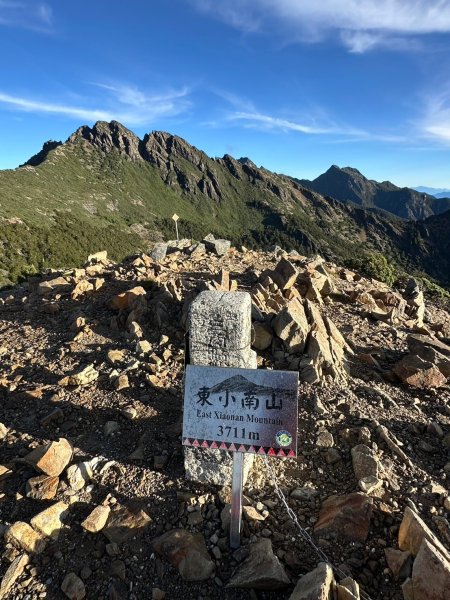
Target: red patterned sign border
238,447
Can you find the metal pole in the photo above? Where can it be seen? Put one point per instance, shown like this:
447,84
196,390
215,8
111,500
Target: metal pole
236,500
176,228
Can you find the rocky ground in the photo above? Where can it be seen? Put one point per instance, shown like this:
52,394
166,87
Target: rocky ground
93,496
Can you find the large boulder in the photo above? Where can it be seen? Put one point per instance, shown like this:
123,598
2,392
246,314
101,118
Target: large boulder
414,371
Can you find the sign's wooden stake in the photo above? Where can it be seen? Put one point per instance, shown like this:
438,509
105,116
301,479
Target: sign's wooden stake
236,500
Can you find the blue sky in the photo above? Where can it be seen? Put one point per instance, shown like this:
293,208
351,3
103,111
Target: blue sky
292,84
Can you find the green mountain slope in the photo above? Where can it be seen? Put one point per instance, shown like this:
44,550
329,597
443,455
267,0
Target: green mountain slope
104,188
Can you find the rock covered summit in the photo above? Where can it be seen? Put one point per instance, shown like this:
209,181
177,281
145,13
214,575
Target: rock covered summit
94,499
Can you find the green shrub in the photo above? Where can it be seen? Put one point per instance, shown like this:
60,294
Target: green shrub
377,266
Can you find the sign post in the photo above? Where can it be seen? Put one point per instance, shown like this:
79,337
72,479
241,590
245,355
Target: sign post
236,500
175,218
240,411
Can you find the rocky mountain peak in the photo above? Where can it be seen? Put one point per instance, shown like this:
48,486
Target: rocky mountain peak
160,144
38,158
347,184
107,136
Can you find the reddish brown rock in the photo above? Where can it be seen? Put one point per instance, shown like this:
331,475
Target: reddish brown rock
345,517
52,458
126,300
42,487
124,523
187,552
418,373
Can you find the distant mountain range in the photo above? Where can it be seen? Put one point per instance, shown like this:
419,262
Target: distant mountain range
106,189
436,192
349,185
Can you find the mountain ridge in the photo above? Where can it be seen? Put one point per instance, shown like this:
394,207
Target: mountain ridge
347,184
105,187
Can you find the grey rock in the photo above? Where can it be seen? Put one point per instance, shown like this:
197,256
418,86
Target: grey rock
219,247
73,587
261,570
365,462
159,252
316,585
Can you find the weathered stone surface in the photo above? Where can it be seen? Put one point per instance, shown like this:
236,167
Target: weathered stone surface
52,458
347,589
415,304
413,531
365,462
49,522
73,587
417,343
42,487
124,523
97,519
416,372
431,574
400,563
345,517
263,336
14,571
284,274
187,552
159,252
261,570
291,325
219,335
127,300
370,484
219,247
315,585
431,350
21,535
84,377
59,284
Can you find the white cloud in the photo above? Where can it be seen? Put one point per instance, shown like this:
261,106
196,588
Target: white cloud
360,24
26,14
123,103
334,133
436,122
274,123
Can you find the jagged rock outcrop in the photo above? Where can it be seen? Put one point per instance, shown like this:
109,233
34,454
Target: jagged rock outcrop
108,136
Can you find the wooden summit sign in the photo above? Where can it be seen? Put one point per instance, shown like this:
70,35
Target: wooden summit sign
241,410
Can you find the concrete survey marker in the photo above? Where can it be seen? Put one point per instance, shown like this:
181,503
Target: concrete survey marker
241,410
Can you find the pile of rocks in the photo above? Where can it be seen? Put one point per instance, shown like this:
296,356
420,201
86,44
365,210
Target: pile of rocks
287,319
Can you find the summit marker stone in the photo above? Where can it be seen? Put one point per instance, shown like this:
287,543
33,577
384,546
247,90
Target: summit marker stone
219,335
